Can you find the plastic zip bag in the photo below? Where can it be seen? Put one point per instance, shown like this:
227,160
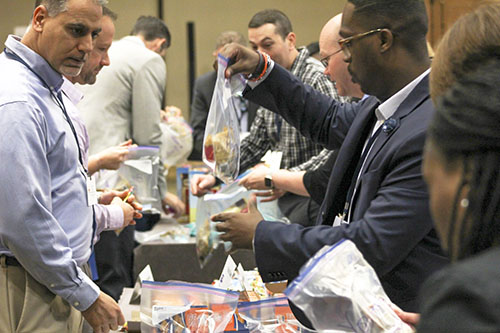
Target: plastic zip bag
338,290
175,306
270,315
221,143
231,198
141,171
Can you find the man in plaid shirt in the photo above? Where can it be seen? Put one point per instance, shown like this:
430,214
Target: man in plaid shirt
270,31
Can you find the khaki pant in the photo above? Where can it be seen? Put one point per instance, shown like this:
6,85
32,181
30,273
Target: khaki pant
27,306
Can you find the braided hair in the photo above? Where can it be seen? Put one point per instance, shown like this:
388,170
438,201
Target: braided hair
466,128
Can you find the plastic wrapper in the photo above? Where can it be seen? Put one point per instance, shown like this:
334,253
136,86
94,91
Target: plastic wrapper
141,171
176,139
221,144
338,290
231,198
175,306
270,315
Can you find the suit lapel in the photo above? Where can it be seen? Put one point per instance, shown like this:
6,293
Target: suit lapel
418,95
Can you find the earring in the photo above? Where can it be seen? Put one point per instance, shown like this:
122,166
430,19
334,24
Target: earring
464,203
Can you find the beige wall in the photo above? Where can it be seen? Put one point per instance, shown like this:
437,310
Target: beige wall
214,16
210,17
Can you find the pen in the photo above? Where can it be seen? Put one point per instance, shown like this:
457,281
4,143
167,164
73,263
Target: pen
128,195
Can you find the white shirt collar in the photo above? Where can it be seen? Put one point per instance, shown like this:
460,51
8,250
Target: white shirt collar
387,109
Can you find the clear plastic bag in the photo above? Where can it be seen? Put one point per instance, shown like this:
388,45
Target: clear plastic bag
270,315
177,141
175,306
221,144
338,290
141,171
231,198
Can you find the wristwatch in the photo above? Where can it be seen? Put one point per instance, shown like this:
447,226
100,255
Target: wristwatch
268,181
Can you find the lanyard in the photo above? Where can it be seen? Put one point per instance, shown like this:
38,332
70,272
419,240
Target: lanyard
58,101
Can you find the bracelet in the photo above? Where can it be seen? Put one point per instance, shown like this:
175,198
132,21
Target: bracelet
261,69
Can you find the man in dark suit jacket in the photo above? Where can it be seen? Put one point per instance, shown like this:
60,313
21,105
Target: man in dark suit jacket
381,197
202,97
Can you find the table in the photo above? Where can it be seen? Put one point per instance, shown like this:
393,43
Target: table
178,261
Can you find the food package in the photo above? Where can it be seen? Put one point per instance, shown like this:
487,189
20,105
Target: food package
231,198
221,144
338,290
175,306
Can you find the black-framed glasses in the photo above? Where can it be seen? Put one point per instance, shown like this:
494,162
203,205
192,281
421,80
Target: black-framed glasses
326,59
345,43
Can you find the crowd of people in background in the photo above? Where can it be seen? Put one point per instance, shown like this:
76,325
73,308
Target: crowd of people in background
379,144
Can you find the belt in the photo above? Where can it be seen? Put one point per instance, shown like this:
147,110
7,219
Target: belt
11,261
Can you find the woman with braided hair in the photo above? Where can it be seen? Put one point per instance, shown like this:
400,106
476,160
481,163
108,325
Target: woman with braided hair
462,169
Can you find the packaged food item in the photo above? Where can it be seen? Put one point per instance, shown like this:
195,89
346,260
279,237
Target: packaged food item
231,198
175,306
221,144
338,290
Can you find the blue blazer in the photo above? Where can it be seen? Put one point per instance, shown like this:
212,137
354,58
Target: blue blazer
391,223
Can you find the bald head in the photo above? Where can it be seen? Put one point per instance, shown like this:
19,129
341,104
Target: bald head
330,32
336,69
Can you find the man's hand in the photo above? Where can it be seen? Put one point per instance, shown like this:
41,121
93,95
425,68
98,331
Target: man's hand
129,212
172,202
270,195
131,208
239,228
104,314
255,179
201,184
110,158
244,60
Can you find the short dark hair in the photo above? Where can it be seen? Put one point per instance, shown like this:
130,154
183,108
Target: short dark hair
465,129
273,16
109,13
407,19
151,28
55,7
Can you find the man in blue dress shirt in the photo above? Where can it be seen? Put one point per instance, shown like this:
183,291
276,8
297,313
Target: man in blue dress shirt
46,218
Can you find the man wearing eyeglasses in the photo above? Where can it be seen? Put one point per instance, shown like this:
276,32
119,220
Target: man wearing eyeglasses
376,195
270,31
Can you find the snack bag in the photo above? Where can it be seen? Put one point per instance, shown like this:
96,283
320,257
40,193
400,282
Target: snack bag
175,306
338,290
231,198
141,171
221,144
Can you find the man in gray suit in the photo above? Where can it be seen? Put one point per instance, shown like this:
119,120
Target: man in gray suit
125,103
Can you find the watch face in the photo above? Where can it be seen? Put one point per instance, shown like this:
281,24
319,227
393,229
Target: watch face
268,181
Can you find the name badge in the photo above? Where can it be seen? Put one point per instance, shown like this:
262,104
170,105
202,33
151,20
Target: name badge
91,191
338,221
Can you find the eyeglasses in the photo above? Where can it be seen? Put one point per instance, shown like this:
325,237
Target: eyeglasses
326,59
345,43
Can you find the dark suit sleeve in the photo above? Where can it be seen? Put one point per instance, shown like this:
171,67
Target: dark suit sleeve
200,106
311,112
389,229
454,301
316,181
